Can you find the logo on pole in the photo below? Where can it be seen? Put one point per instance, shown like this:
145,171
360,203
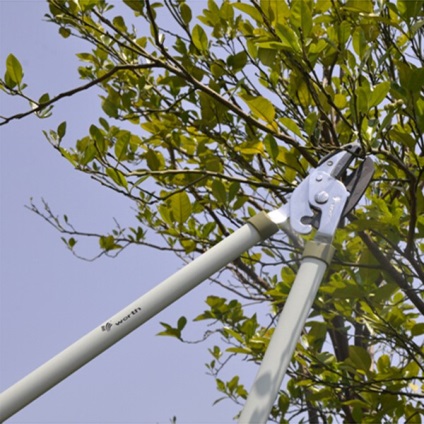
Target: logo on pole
107,327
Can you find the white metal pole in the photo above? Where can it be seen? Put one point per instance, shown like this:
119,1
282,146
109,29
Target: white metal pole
137,313
286,334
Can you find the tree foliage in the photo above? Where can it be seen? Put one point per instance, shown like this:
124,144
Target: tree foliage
212,114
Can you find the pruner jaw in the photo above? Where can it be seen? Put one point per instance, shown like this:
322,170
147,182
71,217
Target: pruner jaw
326,195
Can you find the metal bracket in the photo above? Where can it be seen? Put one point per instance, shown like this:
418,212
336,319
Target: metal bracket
326,195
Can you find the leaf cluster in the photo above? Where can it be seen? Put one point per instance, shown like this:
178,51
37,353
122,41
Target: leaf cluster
218,115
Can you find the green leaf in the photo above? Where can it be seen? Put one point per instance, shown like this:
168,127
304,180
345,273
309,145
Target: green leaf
301,16
99,139
219,191
121,148
340,100
279,9
155,160
291,125
364,6
119,23
267,56
418,329
165,214
188,245
107,243
226,11
362,99
234,334
252,11
316,49
413,415
64,32
251,148
311,123
71,242
359,42
289,39
360,358
14,72
379,93
345,31
317,334
117,176
87,5
44,98
61,130
181,207
135,5
110,107
96,134
260,107
169,331
200,39
67,155
383,363
87,150
410,8
238,61
181,323
186,14
242,350
271,146
399,135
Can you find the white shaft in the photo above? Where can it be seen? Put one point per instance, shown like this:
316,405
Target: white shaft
283,342
127,320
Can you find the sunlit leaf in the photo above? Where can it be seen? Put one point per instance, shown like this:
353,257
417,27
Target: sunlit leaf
64,32
199,37
185,13
301,16
291,125
14,72
364,6
180,206
61,130
252,11
117,176
360,357
261,107
362,99
107,243
379,93
136,5
219,191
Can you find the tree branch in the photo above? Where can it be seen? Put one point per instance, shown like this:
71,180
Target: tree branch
76,90
397,277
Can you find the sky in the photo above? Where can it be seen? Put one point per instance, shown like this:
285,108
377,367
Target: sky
49,298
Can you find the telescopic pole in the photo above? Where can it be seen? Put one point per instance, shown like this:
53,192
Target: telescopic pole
321,192
258,228
316,257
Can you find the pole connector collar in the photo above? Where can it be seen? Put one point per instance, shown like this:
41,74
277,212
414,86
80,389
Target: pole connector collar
319,250
263,225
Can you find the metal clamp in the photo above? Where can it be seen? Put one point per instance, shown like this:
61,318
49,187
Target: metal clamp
326,195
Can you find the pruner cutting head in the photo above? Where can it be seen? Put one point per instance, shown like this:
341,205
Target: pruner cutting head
329,193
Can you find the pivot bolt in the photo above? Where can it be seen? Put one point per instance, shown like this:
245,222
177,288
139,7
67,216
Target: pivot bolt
321,197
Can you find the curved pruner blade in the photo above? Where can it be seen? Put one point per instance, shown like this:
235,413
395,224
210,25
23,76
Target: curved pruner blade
357,182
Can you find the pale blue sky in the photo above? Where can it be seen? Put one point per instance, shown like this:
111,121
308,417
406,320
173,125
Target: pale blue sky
48,298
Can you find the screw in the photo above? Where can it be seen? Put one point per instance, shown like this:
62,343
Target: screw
321,197
319,177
